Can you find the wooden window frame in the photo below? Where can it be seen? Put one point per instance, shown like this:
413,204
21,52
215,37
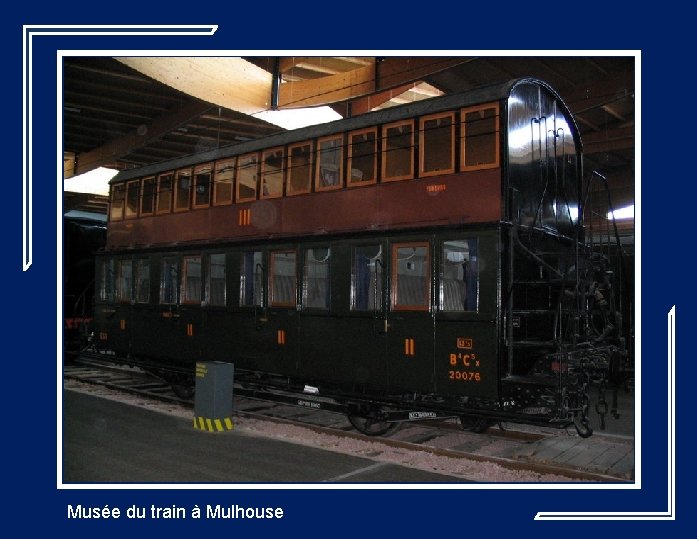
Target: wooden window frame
176,189
310,165
463,137
383,167
243,277
158,211
136,213
395,278
306,279
380,296
207,282
112,197
216,167
318,163
422,144
197,170
264,153
119,296
161,290
349,168
238,198
183,297
136,279
273,303
143,213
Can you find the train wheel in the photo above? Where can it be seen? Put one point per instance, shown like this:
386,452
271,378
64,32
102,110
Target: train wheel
184,391
475,424
369,421
583,426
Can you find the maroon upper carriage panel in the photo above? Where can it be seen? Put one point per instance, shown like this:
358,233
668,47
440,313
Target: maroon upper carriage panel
442,161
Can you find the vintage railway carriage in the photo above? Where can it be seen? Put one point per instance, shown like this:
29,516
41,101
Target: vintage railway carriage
425,260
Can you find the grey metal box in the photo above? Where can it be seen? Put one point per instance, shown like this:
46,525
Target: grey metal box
214,389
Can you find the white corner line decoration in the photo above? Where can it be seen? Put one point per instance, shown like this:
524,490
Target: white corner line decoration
669,513
28,33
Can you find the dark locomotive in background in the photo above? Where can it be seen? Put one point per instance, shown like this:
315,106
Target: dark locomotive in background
423,261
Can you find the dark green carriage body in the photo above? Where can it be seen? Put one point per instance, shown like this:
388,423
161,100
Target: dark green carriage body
454,290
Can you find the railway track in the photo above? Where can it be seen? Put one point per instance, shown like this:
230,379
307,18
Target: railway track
547,452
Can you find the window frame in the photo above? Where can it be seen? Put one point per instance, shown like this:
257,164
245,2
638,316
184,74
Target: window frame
394,281
497,137
384,152
318,162
121,296
306,279
422,144
264,172
271,288
238,183
309,165
379,307
217,168
183,296
206,294
243,279
137,268
181,172
133,184
160,177
152,179
349,168
165,260
440,292
120,188
197,170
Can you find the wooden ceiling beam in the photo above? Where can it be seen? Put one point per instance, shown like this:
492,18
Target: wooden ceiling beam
390,72
122,146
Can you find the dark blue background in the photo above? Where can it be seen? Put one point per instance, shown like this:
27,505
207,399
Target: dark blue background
31,325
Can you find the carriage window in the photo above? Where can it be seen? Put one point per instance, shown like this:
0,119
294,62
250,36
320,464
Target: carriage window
222,182
437,144
459,283
411,277
247,173
124,280
251,279
142,281
147,199
168,281
132,195
299,168
106,280
398,151
216,279
330,159
118,192
272,173
366,288
316,283
282,279
182,190
362,157
480,137
164,193
202,185
191,280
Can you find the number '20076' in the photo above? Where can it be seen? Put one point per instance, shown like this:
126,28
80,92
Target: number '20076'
465,376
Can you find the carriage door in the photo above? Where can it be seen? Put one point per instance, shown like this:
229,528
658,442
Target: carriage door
410,323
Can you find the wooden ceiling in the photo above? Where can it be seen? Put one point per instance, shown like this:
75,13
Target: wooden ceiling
118,117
